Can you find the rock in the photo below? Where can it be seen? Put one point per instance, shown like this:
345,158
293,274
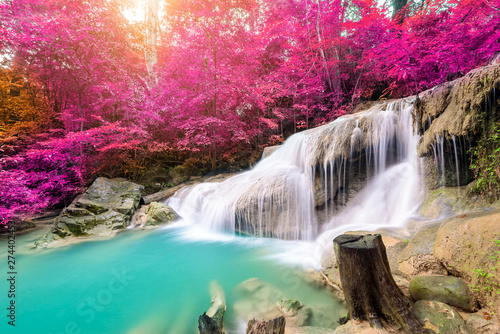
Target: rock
180,174
106,206
294,312
453,107
468,247
417,257
329,259
269,150
258,300
477,324
446,202
308,330
154,214
358,327
263,301
212,322
193,180
447,289
393,254
439,318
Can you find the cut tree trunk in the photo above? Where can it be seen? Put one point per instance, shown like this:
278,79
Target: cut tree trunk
370,291
275,326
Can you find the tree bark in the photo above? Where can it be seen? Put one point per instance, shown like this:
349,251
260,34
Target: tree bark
152,24
369,289
207,325
275,326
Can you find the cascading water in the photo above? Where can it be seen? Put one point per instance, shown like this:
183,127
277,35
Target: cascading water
367,160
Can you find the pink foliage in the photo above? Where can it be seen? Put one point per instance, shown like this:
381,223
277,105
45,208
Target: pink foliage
231,74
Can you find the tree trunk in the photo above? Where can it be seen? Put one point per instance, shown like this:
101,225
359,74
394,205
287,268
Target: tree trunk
397,9
152,24
275,326
369,289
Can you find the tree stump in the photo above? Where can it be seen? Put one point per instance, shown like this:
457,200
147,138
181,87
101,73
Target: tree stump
370,291
207,325
275,326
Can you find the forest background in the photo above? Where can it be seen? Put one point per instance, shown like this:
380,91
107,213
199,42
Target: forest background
88,90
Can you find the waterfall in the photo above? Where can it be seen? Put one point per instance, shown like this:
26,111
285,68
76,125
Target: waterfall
361,170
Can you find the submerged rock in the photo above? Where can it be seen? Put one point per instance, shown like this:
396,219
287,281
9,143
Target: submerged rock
294,311
446,289
106,206
439,318
263,301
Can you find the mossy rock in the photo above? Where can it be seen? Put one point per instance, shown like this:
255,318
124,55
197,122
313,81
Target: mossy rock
447,289
439,318
153,214
294,311
106,206
180,174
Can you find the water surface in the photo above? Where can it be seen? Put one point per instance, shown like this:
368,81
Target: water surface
144,281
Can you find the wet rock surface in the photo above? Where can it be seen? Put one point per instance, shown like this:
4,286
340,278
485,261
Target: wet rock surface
154,214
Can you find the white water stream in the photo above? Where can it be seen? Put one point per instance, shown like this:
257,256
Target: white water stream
279,197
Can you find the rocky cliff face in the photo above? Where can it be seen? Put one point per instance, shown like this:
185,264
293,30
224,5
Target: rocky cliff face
450,118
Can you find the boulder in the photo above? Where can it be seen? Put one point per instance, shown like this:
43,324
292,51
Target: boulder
468,246
269,150
417,257
447,289
152,215
294,312
180,174
106,206
439,318
450,201
478,324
